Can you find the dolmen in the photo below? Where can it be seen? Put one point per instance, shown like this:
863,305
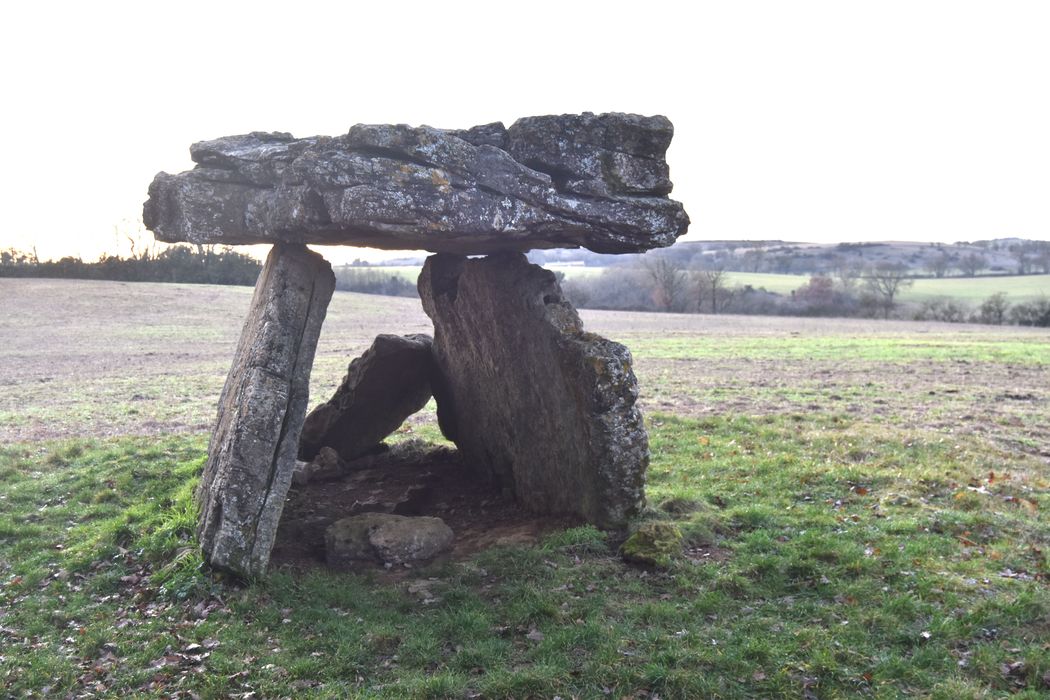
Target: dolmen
537,406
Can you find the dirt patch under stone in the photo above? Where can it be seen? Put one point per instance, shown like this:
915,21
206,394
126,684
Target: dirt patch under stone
421,480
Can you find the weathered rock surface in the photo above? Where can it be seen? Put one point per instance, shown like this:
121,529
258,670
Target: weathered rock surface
655,543
385,538
253,449
531,399
325,466
387,384
596,181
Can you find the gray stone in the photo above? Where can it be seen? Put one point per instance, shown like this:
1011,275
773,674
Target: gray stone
533,401
596,181
387,384
253,449
325,466
601,156
384,538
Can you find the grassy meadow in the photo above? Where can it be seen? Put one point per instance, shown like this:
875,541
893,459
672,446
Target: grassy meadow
863,504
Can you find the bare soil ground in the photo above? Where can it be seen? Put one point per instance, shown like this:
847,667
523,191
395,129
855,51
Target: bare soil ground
432,482
92,358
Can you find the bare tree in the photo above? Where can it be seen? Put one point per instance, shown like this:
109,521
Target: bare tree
712,290
848,272
1024,261
972,263
940,264
752,259
1042,258
885,281
669,282
1032,256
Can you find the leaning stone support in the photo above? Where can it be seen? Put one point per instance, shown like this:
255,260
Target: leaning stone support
535,403
261,409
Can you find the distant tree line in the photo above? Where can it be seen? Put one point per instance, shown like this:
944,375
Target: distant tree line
658,281
198,265
997,257
661,283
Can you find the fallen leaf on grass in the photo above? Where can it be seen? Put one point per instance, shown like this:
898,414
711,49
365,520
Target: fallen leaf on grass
1030,506
1014,672
164,661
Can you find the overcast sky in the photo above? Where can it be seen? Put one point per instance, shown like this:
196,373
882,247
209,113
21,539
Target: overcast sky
813,121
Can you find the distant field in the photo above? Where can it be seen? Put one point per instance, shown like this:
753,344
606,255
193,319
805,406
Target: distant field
969,289
979,288
972,290
161,361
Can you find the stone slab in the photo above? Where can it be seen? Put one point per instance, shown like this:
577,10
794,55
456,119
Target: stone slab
253,449
561,181
533,401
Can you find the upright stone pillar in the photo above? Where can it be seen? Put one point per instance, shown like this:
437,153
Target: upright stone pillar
533,401
261,409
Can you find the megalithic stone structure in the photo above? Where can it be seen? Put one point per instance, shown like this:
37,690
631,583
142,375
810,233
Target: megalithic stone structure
253,449
537,404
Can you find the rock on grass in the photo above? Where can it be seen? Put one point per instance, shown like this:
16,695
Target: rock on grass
653,544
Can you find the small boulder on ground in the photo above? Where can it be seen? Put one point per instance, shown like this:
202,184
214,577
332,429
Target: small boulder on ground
384,538
653,544
325,466
382,388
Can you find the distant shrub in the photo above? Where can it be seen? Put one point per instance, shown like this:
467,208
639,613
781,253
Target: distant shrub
820,297
1032,313
200,264
993,309
946,310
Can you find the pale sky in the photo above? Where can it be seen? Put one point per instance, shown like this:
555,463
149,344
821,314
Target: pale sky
812,121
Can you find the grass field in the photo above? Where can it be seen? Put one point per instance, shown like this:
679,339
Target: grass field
864,507
972,290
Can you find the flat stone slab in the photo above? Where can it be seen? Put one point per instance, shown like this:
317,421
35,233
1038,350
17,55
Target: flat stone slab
385,538
533,401
577,180
252,452
382,387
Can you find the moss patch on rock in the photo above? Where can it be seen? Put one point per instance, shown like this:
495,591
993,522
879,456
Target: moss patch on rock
653,544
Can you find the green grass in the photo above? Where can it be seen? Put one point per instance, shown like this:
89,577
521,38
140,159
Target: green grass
972,290
905,348
977,289
827,558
